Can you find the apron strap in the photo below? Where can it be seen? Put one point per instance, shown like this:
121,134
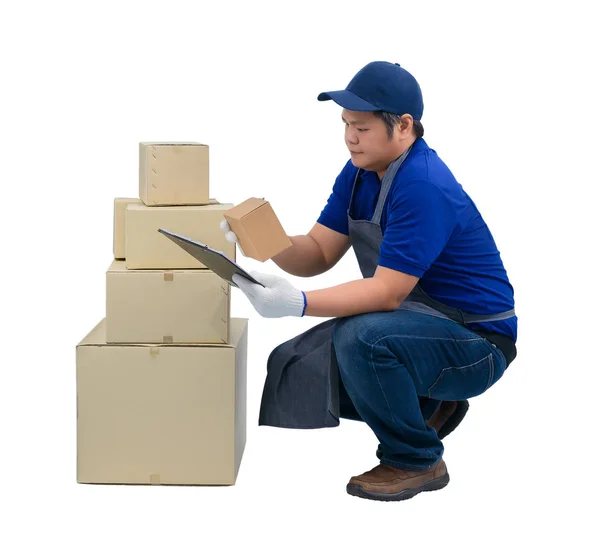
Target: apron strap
386,184
418,295
473,318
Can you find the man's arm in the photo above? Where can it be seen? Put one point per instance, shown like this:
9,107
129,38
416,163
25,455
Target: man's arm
385,291
314,253
420,223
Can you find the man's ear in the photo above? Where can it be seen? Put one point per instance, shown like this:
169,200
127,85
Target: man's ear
405,126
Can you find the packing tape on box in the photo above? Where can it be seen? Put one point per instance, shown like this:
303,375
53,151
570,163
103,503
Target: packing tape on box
154,479
168,276
154,351
167,339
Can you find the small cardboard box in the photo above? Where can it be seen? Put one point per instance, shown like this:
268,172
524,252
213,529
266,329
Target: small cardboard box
157,306
174,173
119,224
161,414
145,247
258,229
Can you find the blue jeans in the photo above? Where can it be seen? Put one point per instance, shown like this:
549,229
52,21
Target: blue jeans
397,366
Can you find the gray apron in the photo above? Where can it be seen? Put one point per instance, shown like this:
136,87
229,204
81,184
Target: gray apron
302,385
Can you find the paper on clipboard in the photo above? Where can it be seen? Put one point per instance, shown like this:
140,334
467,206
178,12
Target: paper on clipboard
213,259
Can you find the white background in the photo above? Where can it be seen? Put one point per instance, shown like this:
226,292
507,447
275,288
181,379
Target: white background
510,105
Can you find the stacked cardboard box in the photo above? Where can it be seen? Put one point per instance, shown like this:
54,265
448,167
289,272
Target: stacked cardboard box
161,380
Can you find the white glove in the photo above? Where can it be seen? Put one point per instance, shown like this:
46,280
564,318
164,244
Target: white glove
276,299
230,236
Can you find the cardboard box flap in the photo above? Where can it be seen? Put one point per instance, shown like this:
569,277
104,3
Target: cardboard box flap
246,207
212,207
151,143
119,265
97,337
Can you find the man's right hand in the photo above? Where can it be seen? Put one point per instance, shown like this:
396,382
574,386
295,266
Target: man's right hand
230,236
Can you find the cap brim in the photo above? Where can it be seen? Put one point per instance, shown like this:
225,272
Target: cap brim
347,99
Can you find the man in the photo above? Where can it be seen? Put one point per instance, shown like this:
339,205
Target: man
432,321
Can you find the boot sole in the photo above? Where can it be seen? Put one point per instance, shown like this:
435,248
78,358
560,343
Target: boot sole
432,485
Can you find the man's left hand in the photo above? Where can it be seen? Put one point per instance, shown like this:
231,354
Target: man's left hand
276,299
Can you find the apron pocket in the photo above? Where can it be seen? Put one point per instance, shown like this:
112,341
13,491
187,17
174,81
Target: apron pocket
460,383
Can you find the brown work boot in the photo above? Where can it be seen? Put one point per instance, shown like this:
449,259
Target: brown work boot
386,483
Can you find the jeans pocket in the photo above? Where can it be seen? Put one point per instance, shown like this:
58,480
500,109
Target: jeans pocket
460,383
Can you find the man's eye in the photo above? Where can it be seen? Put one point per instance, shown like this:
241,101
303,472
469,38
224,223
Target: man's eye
346,125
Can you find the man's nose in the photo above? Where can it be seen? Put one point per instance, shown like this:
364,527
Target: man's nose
350,137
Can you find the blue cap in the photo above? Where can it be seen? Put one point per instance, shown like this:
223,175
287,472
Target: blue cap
380,86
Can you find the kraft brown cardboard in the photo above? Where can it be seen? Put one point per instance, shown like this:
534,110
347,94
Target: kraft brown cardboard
173,306
119,224
120,204
174,173
161,414
258,229
145,247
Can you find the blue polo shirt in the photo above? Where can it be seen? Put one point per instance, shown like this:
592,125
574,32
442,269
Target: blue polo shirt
432,230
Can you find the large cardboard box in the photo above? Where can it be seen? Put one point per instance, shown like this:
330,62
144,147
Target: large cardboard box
145,247
120,205
174,173
161,414
259,231
173,306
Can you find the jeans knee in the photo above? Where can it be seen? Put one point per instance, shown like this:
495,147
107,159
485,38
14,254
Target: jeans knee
352,337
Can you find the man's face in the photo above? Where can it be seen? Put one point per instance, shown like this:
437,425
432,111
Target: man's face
367,140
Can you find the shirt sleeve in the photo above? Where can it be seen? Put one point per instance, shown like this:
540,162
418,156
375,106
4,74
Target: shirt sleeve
420,222
335,213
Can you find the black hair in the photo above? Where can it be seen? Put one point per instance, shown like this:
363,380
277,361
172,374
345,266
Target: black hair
391,120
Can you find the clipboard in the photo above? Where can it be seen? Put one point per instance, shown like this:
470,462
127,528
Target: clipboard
213,259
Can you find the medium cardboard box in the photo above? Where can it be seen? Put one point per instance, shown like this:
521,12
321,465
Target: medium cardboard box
174,306
145,247
161,414
174,173
119,224
258,229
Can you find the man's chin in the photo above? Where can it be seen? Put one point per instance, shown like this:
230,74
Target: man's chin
357,157
360,161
